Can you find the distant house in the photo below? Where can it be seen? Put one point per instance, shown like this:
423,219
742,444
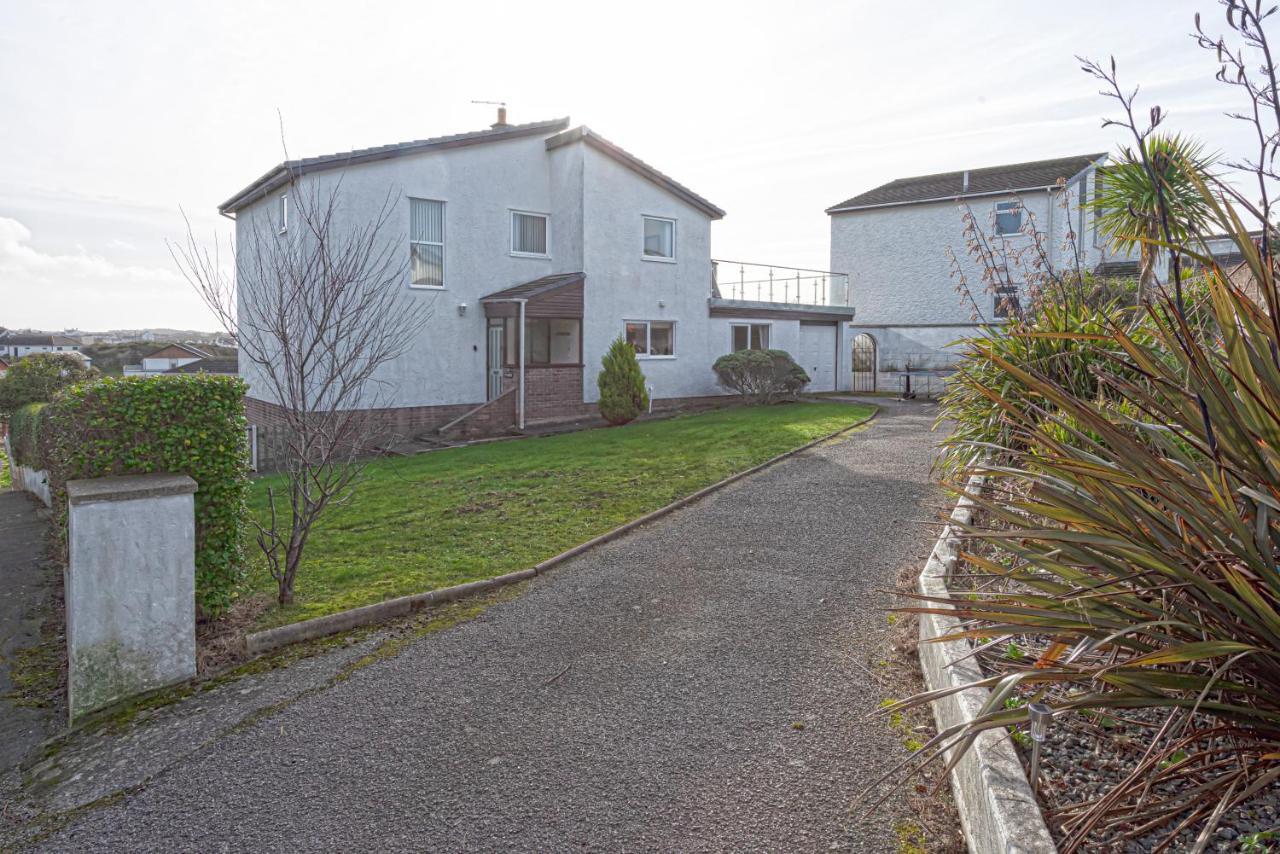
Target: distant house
15,345
225,365
893,241
166,359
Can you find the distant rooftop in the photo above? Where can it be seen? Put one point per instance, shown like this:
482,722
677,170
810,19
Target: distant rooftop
22,339
1012,178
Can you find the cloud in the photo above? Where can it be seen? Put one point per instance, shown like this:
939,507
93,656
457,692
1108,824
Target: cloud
19,258
88,290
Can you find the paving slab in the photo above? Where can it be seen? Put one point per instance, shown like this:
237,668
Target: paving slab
25,589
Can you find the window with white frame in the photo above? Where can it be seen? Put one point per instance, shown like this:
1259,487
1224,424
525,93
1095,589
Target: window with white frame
750,336
652,337
528,233
282,213
426,243
659,238
1008,218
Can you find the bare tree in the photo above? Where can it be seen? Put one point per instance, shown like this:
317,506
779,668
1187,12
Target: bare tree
317,308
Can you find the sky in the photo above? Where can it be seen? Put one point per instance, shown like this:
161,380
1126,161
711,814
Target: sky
116,118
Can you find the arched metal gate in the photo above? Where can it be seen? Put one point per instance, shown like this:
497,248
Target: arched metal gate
864,362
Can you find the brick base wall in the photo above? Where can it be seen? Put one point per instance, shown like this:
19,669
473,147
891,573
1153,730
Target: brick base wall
547,397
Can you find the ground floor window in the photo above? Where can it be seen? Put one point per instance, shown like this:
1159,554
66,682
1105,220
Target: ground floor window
750,336
1006,301
652,337
547,340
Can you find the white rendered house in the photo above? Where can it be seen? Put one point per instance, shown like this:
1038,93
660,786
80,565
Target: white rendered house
583,241
893,243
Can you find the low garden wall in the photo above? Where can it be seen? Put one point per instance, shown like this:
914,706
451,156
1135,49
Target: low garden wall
998,810
27,479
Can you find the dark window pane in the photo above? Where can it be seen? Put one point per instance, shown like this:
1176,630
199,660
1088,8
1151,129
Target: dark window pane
637,337
661,339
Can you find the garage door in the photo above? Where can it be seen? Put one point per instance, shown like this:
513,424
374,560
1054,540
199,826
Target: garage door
818,355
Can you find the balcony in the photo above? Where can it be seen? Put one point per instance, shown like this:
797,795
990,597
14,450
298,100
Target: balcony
740,281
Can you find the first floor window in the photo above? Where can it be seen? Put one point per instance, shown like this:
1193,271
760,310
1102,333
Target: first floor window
1006,304
750,336
528,233
426,243
283,213
659,238
652,337
1008,218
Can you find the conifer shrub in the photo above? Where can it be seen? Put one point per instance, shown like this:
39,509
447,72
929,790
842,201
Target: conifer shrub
621,382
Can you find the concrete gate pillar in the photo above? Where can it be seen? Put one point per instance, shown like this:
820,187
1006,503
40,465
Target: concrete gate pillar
130,587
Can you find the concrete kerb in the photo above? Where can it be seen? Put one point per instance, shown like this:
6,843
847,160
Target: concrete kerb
379,612
998,810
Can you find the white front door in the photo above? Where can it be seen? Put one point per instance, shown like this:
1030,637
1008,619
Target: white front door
495,361
818,355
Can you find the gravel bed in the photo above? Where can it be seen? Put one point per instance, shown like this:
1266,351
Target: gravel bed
1082,759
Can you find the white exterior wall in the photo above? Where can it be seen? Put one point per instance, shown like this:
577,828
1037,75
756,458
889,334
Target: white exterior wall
596,207
480,185
623,285
901,278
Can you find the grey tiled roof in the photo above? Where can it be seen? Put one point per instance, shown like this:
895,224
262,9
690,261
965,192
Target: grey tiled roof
212,365
529,290
293,168
1014,177
25,340
585,134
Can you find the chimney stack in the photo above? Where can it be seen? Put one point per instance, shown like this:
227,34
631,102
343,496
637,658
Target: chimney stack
502,119
965,189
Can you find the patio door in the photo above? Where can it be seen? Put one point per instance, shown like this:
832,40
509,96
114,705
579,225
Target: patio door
495,362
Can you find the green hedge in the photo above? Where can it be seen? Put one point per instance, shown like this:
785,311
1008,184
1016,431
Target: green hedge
24,436
192,425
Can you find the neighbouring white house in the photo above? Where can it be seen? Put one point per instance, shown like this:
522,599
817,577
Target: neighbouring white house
585,242
893,243
165,360
15,345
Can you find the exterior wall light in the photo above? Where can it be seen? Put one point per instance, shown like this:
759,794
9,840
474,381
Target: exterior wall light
462,309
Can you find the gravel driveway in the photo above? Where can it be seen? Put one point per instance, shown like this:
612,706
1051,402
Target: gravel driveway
701,684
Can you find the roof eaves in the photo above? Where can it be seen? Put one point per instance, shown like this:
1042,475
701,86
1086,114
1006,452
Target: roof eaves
956,198
584,134
280,175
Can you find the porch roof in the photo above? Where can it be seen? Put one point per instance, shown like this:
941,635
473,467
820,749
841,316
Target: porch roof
535,288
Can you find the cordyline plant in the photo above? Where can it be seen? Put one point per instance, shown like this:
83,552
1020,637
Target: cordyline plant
1131,522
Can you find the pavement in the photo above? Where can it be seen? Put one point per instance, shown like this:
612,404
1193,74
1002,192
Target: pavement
25,588
700,684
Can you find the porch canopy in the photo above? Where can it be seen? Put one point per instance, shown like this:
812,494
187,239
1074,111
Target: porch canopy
557,295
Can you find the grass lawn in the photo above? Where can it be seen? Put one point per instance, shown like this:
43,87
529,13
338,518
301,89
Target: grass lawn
446,517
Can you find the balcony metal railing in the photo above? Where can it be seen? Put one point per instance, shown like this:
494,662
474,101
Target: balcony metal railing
744,280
